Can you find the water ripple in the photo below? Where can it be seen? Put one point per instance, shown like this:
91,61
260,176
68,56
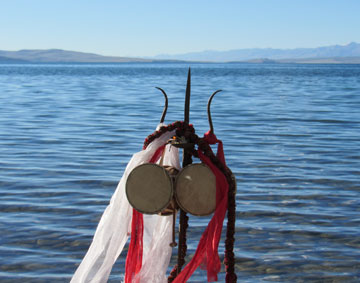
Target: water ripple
291,134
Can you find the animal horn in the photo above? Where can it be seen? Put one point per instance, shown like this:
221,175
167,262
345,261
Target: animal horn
208,110
165,106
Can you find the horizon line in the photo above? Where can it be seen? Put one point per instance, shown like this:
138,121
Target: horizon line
171,54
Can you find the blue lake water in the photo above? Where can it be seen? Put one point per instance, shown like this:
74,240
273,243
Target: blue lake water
291,135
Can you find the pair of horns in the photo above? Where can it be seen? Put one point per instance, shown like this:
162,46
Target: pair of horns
208,107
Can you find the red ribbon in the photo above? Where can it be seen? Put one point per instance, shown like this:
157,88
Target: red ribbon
134,257
206,254
135,253
212,139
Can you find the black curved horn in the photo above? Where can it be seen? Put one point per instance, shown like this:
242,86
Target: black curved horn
208,110
165,106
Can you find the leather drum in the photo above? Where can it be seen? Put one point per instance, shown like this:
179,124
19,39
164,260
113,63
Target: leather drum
195,190
149,189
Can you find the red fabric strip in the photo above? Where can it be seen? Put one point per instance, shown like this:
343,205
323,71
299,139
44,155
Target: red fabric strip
157,154
206,254
212,139
135,252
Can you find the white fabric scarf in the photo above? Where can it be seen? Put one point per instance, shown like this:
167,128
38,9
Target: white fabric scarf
115,227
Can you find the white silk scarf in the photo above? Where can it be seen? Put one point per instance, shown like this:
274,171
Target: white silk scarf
114,229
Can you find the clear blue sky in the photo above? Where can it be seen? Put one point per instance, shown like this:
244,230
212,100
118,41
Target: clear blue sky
150,27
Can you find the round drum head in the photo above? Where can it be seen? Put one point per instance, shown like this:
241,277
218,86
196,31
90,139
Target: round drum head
149,188
196,190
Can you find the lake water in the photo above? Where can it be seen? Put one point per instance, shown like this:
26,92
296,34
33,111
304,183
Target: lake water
291,135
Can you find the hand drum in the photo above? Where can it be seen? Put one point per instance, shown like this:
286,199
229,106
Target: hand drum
149,188
195,190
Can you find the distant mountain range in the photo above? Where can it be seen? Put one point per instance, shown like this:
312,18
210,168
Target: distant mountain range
307,55
329,54
61,56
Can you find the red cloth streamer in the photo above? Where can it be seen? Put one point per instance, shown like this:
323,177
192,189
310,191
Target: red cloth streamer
135,253
134,257
212,139
157,154
206,254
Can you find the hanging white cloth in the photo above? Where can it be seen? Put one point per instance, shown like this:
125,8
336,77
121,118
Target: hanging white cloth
158,236
114,229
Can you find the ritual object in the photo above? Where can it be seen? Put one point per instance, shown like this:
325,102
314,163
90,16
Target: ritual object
152,192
